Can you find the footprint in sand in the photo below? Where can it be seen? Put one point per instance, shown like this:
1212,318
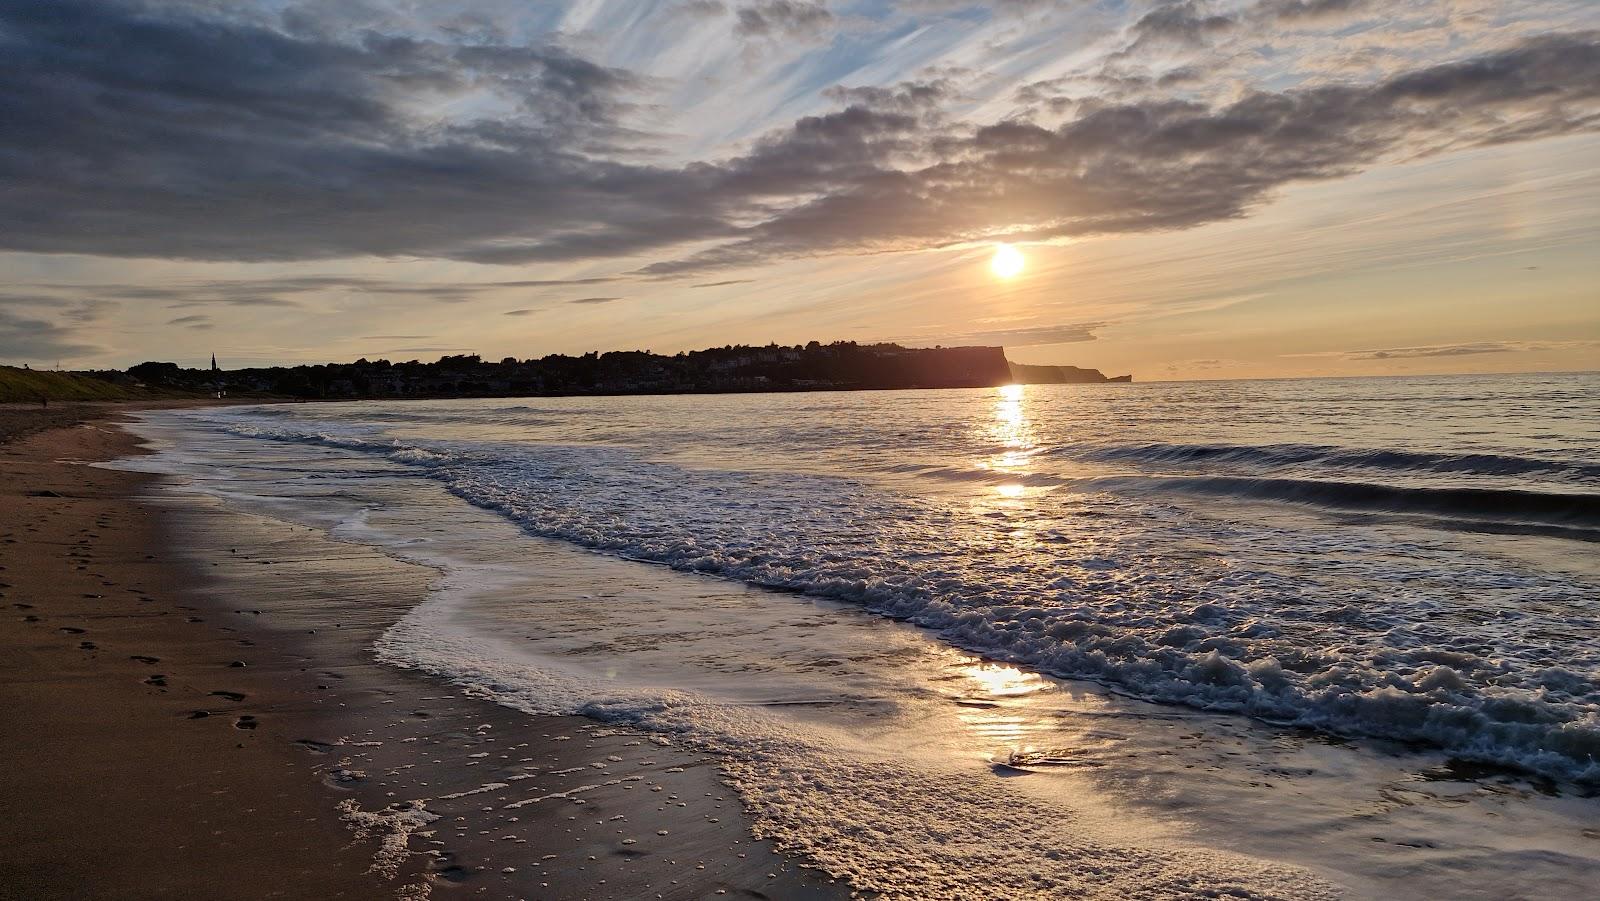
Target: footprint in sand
245,722
88,646
72,630
144,658
160,681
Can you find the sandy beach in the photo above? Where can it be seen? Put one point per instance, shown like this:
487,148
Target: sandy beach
193,711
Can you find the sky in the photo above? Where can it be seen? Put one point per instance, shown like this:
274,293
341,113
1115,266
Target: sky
1199,189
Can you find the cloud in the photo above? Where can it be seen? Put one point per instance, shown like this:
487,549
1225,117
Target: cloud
595,300
701,9
185,132
25,338
1455,350
1152,165
520,312
196,321
1297,11
907,96
275,292
782,19
174,132
1181,23
992,7
725,283
1029,336
1449,350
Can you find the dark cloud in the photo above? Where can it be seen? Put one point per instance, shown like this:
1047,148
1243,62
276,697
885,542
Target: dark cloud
1018,337
782,18
26,333
907,96
193,132
992,7
277,292
1195,24
1295,11
1187,22
25,338
724,283
190,320
1448,350
590,300
520,312
136,131
1468,349
701,9
1145,166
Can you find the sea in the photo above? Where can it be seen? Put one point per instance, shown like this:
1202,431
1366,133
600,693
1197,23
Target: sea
1281,638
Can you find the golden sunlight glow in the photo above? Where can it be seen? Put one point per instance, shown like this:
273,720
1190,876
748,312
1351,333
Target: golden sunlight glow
1010,428
998,680
1007,261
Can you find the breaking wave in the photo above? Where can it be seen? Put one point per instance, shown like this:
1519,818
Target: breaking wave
1278,456
1557,514
1486,662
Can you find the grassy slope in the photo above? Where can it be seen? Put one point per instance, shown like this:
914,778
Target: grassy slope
29,385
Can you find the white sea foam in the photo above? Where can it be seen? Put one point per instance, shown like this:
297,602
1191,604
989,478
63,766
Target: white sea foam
1356,628
1339,629
887,826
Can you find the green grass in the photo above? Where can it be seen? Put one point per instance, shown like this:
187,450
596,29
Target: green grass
29,385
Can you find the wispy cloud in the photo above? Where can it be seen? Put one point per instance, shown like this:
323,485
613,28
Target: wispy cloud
1454,350
268,124
788,19
1027,336
23,337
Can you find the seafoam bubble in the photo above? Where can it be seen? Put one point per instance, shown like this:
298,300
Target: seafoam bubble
1344,630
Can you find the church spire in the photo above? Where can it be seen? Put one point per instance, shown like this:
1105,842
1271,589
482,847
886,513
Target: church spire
213,362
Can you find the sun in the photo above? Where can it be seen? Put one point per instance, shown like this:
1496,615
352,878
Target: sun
1007,261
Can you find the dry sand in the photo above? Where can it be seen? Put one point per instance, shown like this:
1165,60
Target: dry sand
189,703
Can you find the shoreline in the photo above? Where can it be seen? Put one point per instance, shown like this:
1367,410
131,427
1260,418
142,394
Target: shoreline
223,730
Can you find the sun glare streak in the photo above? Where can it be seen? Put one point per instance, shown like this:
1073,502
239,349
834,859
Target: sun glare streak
1007,261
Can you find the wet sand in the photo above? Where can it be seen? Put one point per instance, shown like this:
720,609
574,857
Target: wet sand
192,710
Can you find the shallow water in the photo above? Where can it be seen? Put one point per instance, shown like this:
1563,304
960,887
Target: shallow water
1163,540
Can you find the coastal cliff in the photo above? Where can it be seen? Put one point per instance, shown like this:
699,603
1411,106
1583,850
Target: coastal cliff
1026,374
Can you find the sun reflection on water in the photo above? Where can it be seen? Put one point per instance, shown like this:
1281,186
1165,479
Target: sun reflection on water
998,680
1011,428
993,709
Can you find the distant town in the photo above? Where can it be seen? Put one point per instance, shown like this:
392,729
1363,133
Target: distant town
840,366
